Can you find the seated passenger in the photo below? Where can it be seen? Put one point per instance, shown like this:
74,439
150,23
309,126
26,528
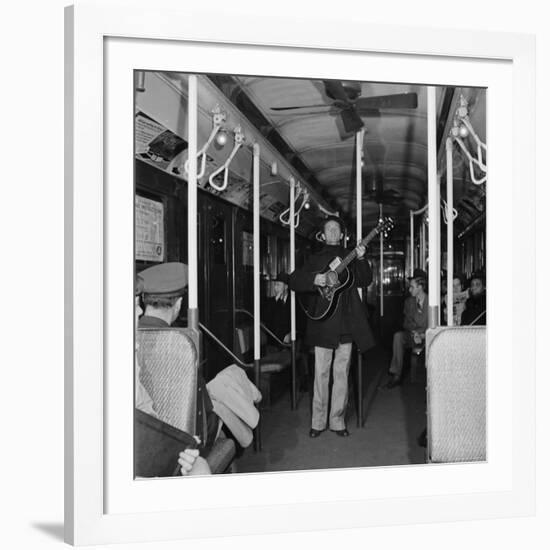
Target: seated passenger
415,322
276,309
163,288
189,460
476,305
443,293
459,300
276,317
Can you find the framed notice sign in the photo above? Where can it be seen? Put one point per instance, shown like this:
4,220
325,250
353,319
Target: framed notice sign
149,230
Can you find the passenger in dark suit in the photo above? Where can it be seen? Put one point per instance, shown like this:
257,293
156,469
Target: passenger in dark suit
276,317
333,337
476,305
276,309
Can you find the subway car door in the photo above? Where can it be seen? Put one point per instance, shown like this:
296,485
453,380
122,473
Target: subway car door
244,283
216,294
244,261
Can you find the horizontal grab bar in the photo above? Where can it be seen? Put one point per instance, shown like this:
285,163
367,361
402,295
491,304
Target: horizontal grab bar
265,328
225,348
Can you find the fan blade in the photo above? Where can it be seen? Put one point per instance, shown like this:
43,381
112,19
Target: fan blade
327,111
369,113
335,90
351,120
394,101
292,107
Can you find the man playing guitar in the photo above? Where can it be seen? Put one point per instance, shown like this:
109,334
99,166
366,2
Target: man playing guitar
332,331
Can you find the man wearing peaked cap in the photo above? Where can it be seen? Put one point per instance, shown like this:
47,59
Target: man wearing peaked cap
169,279
163,289
190,462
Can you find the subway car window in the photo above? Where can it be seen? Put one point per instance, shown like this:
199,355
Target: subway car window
292,292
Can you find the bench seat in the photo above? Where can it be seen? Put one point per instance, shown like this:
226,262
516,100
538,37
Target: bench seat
275,362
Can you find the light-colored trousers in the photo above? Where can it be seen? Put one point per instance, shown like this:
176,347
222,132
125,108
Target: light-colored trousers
339,400
401,340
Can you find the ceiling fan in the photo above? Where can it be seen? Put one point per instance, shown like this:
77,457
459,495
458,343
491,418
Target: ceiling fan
376,192
346,102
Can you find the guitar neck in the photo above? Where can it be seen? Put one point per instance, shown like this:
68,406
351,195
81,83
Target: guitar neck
353,254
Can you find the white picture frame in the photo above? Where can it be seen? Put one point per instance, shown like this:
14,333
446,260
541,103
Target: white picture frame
96,248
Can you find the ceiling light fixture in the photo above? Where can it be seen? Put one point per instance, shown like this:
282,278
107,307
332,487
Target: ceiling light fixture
222,137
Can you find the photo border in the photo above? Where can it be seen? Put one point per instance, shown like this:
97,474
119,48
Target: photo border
123,494
86,243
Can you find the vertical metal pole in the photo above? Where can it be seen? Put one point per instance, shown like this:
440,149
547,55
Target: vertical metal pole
359,233
256,231
292,295
450,233
433,213
381,266
422,244
359,188
422,247
192,257
411,263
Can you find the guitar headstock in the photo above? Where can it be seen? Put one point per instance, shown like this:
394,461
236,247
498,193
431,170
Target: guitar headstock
385,225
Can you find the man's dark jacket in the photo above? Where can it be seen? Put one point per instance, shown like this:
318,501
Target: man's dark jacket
349,318
475,310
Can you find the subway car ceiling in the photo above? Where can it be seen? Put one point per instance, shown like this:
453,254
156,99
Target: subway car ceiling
306,129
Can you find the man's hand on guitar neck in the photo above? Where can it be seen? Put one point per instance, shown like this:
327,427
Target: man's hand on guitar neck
361,249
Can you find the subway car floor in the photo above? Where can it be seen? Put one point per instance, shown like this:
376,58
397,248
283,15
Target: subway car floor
393,420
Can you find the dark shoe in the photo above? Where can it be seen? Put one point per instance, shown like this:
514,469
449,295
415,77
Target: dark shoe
422,439
315,433
341,433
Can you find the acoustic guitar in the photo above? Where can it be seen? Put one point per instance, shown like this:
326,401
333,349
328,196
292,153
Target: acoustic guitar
338,277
